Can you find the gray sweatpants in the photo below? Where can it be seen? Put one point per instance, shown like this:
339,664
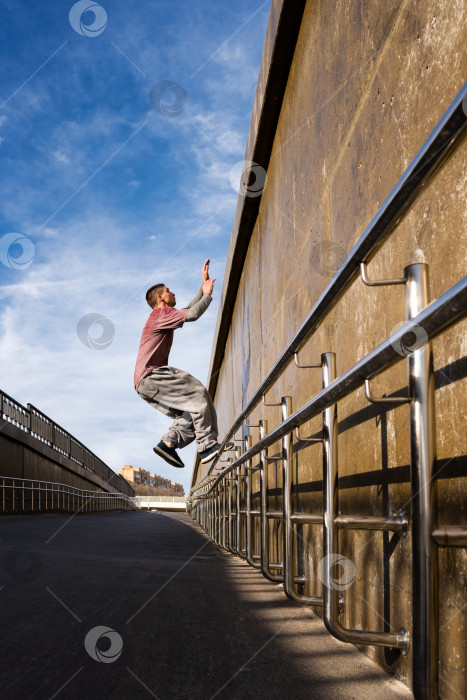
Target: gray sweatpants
179,395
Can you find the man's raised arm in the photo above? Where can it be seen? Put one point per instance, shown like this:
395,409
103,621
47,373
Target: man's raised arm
199,293
203,298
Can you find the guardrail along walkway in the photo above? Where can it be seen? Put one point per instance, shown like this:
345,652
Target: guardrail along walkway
183,619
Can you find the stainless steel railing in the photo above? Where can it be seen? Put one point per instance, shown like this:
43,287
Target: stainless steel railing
32,421
221,502
36,496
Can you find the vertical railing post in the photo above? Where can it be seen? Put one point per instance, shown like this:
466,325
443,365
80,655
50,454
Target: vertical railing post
290,577
239,492
248,487
423,455
210,516
330,506
287,536
265,548
229,479
211,519
224,517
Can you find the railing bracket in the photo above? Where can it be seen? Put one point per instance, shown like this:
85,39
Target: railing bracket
397,400
378,283
308,439
314,366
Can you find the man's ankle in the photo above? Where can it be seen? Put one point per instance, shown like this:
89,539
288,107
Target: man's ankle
168,443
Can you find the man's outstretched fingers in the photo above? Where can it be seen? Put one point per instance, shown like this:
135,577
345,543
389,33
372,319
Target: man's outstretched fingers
205,272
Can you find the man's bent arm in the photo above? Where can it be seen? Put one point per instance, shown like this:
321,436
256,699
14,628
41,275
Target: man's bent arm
196,298
198,309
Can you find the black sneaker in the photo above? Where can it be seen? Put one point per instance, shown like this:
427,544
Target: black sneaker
211,452
169,454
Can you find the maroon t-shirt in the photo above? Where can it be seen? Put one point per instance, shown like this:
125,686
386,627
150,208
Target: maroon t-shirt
156,340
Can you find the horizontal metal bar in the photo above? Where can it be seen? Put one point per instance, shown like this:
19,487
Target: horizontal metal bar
274,514
255,512
451,536
434,319
275,566
445,137
306,518
396,523
55,484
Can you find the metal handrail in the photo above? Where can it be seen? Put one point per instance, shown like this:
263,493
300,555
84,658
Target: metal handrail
434,319
49,491
444,138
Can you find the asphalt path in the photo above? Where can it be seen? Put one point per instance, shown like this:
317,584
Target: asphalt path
130,605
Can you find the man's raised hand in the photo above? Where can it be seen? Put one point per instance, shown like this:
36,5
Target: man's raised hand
208,286
205,271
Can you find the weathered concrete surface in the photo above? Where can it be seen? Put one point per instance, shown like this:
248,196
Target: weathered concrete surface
208,626
367,84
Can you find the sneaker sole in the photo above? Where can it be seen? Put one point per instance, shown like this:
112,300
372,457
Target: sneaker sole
167,458
209,458
228,446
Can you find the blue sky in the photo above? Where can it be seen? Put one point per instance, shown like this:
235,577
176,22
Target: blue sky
109,193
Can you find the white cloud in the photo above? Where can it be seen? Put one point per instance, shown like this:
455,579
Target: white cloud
61,157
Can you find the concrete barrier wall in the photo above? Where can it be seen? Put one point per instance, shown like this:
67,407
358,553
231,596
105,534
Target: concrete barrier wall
367,84
25,457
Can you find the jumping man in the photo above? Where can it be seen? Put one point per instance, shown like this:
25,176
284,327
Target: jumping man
172,391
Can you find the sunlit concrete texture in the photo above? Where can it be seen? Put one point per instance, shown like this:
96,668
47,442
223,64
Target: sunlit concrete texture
367,84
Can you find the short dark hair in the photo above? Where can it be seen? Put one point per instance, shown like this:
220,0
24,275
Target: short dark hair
151,294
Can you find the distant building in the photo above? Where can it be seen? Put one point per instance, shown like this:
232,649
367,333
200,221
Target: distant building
137,475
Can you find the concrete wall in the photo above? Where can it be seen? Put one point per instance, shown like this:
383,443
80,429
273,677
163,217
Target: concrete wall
25,457
367,84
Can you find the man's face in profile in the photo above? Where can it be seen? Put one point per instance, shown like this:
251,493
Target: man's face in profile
168,297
